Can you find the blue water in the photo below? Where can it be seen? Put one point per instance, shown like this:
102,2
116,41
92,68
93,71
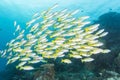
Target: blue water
22,11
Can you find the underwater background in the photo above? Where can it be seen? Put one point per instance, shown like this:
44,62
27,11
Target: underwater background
104,12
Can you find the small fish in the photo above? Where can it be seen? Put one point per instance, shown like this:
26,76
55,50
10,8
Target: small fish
87,59
98,44
16,44
87,47
48,25
64,17
73,52
48,32
43,40
106,51
21,64
92,27
39,51
84,23
69,20
80,24
103,34
44,21
18,50
67,26
30,36
27,50
93,37
95,26
34,61
18,28
76,40
66,45
34,27
53,7
55,13
84,54
49,9
77,29
59,42
38,33
50,52
13,60
92,31
59,26
26,68
74,12
20,36
3,53
83,18
93,41
59,16
99,32
33,41
68,34
23,41
25,59
36,15
12,41
49,16
75,56
96,51
31,54
30,22
82,42
22,31
76,46
83,50
66,61
15,23
62,55
54,47
56,34
73,44
64,10
59,53
38,58
79,32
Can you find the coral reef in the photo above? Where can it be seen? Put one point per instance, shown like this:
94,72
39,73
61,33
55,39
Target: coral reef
117,62
111,22
46,72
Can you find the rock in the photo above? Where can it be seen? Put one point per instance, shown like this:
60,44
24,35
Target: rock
117,62
46,72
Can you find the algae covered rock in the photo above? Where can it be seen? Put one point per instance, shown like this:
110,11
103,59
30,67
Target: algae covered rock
46,72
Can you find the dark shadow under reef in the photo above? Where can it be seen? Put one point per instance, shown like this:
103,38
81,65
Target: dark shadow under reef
111,23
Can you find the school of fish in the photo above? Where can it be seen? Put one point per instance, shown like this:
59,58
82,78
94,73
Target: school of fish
51,34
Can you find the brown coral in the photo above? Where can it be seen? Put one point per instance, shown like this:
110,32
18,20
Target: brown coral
46,72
